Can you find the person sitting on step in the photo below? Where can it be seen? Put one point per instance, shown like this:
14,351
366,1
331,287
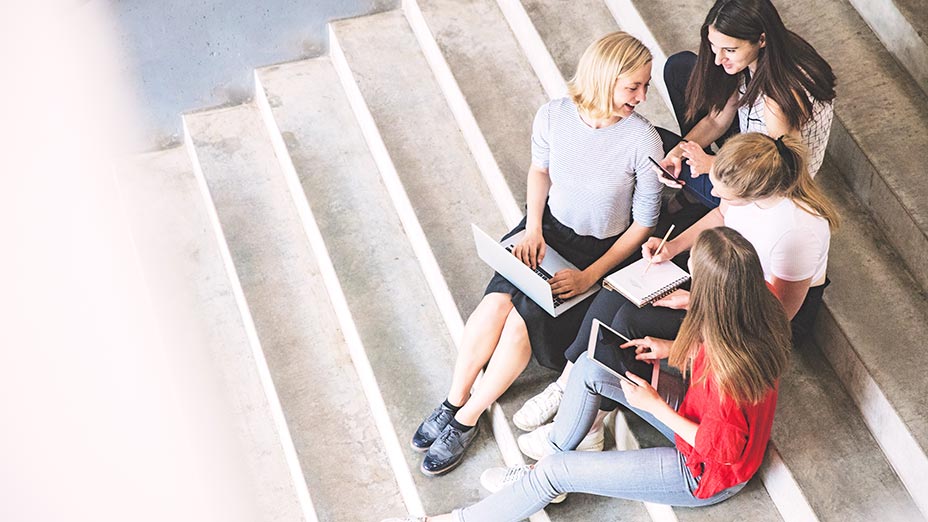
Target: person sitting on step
592,197
732,348
752,74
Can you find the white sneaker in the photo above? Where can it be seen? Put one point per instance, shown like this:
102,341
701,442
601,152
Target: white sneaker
495,479
404,519
537,445
539,409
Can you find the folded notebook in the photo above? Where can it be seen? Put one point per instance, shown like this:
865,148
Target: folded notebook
644,288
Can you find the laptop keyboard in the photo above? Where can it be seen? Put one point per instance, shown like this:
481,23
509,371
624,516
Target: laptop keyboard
545,276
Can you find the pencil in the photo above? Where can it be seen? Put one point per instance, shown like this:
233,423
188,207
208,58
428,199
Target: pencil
659,247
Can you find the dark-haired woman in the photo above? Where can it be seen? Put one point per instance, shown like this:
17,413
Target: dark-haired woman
752,74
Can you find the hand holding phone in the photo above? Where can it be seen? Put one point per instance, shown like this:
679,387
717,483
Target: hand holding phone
664,173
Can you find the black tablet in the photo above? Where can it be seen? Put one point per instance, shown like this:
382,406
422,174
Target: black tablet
604,350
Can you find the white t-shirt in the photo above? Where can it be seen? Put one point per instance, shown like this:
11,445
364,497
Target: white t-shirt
791,242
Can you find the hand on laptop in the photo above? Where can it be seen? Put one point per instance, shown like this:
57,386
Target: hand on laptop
568,283
531,250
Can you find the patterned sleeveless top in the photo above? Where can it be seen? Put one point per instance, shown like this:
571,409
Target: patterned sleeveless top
814,133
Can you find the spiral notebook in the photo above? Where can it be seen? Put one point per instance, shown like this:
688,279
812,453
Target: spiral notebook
644,288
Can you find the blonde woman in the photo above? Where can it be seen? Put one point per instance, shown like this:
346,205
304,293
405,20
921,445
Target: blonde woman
732,348
769,197
593,198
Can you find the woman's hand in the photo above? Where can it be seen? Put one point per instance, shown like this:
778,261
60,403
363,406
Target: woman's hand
531,250
643,396
650,348
568,283
677,300
674,164
649,250
696,158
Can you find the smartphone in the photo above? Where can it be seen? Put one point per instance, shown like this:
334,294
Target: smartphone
664,172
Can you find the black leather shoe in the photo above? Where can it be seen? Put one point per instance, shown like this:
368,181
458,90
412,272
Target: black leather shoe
448,450
431,428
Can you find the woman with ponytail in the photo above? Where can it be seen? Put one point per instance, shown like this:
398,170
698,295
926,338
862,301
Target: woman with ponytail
752,74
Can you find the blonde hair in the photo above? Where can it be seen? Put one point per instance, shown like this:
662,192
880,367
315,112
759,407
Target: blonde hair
742,325
755,166
602,63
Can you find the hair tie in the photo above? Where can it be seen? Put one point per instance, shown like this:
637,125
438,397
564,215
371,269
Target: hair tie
785,153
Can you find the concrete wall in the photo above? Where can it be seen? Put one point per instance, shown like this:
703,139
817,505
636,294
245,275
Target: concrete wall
193,54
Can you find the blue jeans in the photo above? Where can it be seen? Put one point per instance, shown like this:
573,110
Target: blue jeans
657,475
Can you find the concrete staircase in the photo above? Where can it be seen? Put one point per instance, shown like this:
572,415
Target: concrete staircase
324,231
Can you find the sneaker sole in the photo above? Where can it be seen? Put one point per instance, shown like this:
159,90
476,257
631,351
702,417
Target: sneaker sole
532,455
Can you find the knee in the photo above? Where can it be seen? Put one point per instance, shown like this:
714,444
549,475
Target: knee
628,321
550,474
678,67
494,304
514,329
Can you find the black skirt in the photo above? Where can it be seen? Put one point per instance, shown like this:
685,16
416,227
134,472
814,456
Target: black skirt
550,336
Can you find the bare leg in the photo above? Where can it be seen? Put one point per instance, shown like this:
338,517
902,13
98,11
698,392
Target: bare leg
511,357
481,335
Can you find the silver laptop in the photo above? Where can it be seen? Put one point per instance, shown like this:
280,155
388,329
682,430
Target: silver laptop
533,283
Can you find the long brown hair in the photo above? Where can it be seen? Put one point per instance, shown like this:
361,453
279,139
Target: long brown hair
755,166
787,67
732,313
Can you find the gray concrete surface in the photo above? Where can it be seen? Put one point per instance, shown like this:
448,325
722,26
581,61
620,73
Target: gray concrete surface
403,332
329,417
432,160
481,51
187,55
823,440
193,301
902,26
872,328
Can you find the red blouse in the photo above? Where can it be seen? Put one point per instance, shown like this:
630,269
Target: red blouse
731,439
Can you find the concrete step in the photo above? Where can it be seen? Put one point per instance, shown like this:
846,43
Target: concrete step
871,329
398,321
479,49
902,26
872,136
812,398
338,442
195,301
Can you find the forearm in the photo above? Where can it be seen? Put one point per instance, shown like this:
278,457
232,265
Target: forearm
680,425
539,182
627,244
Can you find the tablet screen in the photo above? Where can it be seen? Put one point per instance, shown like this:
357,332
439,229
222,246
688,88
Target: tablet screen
604,349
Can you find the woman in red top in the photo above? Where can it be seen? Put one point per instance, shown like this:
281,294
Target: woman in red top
732,348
